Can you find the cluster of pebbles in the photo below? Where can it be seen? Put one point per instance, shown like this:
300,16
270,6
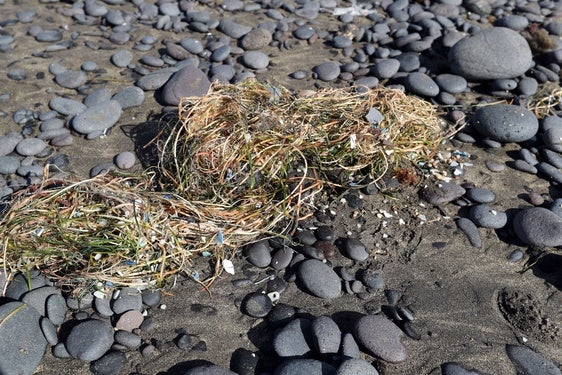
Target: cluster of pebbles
456,54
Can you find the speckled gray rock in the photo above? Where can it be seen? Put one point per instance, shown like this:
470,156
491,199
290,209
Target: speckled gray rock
386,68
23,343
71,79
122,58
327,71
8,144
451,83
129,97
552,138
550,171
233,29
155,80
468,227
128,339
480,195
538,226
442,192
380,337
319,279
90,339
349,347
66,106
282,258
37,298
529,362
295,339
355,366
492,53
256,305
30,146
304,366
256,39
188,81
125,160
9,164
98,117
484,216
111,363
326,335
129,320
505,123
97,96
355,249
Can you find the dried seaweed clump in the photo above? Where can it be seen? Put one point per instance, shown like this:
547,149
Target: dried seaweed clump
258,154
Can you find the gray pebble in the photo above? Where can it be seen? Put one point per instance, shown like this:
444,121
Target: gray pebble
97,96
349,347
8,144
538,226
71,79
125,160
484,216
327,71
319,279
122,58
443,192
515,256
386,68
256,39
304,32
130,96
59,351
233,29
50,124
103,305
528,86
451,83
89,339
452,368
49,36
304,366
256,305
355,249
128,299
305,237
552,157
380,337
188,81
480,195
128,339
292,340
9,164
152,61
111,363
492,53
192,45
151,298
255,60
17,74
119,37
23,343
513,21
258,253
282,258
56,308
30,146
354,366
97,117
372,279
529,362
49,331
37,298
552,138
523,166
471,231
66,107
553,173
421,84
326,335
505,123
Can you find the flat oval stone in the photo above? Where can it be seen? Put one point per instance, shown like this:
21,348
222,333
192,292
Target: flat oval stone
451,83
98,117
492,53
386,68
293,339
111,363
355,249
188,81
282,258
128,339
128,299
256,305
319,279
480,195
129,320
71,79
441,193
354,366
505,123
37,298
304,366
529,362
122,58
256,39
421,84
67,107
258,253
380,337
56,308
326,335
255,60
90,339
327,71
49,331
484,216
9,164
30,146
468,227
538,226
8,144
23,342
125,160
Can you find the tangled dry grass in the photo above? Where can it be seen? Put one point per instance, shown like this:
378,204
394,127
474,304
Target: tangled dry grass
243,161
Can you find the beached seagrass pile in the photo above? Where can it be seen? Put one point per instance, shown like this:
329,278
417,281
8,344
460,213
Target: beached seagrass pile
243,161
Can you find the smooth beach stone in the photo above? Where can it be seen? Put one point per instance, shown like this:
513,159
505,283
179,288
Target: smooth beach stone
304,366
52,123
255,60
30,146
451,83
355,366
528,86
492,53
538,226
192,45
49,331
319,279
480,195
128,299
513,22
552,138
129,320
188,81
355,249
381,337
8,144
155,80
452,368
442,192
386,68
103,305
97,96
256,39
71,79
37,298
122,58
256,305
523,166
20,285
326,335
97,117
111,363
129,97
89,339
349,347
327,71
421,84
56,309
468,227
67,107
505,123
50,36
529,362
9,164
128,339
484,216
125,160
294,339
151,298
233,29
553,173
23,342
282,258
258,253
